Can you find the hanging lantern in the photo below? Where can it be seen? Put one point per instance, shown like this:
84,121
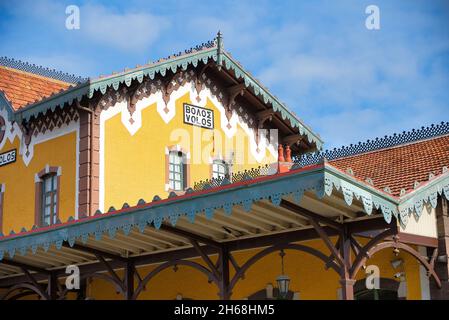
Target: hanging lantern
283,281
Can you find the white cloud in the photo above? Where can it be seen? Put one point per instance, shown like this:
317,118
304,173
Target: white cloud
127,31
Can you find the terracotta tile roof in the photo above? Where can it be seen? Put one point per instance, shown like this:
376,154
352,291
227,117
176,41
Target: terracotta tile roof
22,88
400,166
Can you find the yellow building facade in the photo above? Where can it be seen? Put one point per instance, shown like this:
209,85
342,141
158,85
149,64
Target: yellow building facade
183,180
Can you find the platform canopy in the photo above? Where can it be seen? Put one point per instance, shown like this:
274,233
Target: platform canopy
256,211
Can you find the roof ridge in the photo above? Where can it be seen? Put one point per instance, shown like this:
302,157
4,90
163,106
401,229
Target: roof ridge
40,70
195,49
386,142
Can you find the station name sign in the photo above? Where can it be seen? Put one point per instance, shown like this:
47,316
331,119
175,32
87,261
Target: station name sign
197,116
8,157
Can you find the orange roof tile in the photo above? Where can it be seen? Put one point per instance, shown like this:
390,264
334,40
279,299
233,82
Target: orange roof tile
399,167
22,88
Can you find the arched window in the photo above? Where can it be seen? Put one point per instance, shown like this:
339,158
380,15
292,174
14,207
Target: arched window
176,171
220,169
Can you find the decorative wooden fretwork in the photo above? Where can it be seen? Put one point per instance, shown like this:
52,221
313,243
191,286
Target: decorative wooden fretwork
45,72
376,144
51,120
234,177
167,85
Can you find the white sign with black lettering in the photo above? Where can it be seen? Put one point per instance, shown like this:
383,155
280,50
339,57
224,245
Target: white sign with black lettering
7,157
197,116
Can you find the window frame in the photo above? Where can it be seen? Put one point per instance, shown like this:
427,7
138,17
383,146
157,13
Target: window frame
40,205
184,169
53,196
220,163
2,129
2,202
176,165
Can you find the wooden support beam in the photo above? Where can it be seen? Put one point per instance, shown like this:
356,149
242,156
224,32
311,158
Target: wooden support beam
191,236
327,241
129,280
24,266
206,258
110,270
34,282
96,252
260,241
292,139
310,215
283,214
52,286
224,282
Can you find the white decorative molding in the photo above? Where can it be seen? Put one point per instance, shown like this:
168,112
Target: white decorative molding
269,291
402,290
12,130
27,152
339,294
423,278
168,111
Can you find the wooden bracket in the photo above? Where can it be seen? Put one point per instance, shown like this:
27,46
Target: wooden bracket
292,139
233,92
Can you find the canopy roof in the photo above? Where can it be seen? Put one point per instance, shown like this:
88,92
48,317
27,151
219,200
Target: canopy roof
250,211
316,181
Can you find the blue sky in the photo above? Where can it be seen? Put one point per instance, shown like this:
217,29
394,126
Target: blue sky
347,82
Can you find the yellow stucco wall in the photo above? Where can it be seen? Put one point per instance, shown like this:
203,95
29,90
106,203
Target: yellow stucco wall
19,180
307,273
135,168
135,164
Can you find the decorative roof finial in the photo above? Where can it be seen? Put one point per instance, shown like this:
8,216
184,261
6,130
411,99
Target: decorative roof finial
219,49
219,39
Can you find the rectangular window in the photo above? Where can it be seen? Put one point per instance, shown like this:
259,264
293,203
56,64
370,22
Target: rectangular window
176,171
2,191
49,199
219,169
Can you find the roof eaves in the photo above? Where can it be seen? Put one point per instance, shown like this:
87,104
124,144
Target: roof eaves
378,144
51,102
175,63
6,104
267,97
88,88
425,193
161,209
360,183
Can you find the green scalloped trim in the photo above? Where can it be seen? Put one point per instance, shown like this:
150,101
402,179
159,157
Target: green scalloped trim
102,84
267,97
182,62
352,188
51,103
321,180
428,194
